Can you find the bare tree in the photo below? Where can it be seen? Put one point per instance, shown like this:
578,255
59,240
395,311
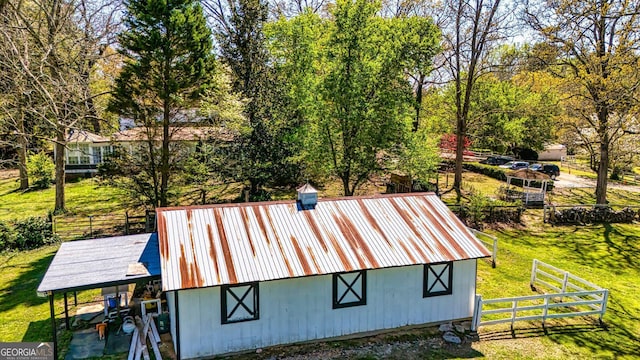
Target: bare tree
597,42
473,28
291,8
55,45
13,100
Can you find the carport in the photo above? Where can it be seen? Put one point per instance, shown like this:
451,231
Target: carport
99,263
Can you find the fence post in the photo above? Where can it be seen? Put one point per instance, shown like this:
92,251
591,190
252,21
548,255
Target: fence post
477,314
514,306
495,252
603,306
545,310
91,226
544,213
126,223
534,269
565,281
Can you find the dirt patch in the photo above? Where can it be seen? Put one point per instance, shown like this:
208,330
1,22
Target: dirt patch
411,344
9,174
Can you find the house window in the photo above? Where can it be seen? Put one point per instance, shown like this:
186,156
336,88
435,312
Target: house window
84,153
349,289
239,302
438,279
97,155
72,154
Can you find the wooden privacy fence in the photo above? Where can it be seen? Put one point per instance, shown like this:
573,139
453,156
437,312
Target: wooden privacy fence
96,226
488,240
573,297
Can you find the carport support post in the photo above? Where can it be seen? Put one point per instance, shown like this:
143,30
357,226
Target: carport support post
53,326
66,312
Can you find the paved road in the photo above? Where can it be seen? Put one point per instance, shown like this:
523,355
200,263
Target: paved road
571,181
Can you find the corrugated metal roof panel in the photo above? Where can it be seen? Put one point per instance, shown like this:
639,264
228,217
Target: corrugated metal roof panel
237,243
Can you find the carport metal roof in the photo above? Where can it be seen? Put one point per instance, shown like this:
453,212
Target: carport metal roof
90,264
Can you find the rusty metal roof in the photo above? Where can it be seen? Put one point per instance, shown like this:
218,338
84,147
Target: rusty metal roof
203,246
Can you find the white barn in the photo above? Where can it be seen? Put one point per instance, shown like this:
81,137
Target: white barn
244,276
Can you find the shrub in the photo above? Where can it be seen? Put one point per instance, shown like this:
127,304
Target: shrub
7,236
33,232
488,170
40,169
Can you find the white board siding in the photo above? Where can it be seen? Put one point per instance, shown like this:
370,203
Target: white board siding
301,309
172,313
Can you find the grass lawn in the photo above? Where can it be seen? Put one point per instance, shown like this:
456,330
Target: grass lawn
607,255
83,197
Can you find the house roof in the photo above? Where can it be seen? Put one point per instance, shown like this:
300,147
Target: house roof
89,264
178,133
554,147
238,243
83,136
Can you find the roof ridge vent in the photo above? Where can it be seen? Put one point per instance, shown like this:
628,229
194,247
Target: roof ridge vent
307,197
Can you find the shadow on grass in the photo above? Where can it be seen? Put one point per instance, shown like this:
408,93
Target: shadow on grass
539,331
22,289
38,331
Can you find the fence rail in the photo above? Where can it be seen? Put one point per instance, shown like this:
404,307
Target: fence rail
489,240
95,226
584,298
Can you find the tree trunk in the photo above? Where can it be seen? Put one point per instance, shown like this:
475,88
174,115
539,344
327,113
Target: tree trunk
23,144
345,185
164,156
457,179
60,145
22,162
603,169
418,105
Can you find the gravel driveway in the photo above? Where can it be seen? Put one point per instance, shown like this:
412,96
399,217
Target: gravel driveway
567,181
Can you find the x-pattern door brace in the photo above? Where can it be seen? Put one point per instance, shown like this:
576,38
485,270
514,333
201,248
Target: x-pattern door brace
350,288
438,278
240,301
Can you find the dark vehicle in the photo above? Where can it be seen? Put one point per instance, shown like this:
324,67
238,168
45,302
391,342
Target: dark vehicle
552,170
496,160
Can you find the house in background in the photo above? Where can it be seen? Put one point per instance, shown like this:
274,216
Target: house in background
86,150
246,276
553,152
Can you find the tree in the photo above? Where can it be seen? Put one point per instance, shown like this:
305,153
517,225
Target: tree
265,151
596,44
54,46
509,115
168,66
348,90
421,40
467,41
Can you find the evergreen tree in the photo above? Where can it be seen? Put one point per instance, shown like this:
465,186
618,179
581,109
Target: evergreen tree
168,66
266,150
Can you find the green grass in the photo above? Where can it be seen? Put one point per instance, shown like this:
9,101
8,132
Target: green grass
607,255
83,197
23,315
587,196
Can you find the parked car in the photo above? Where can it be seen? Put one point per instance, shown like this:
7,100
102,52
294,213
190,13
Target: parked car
496,160
515,165
550,169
